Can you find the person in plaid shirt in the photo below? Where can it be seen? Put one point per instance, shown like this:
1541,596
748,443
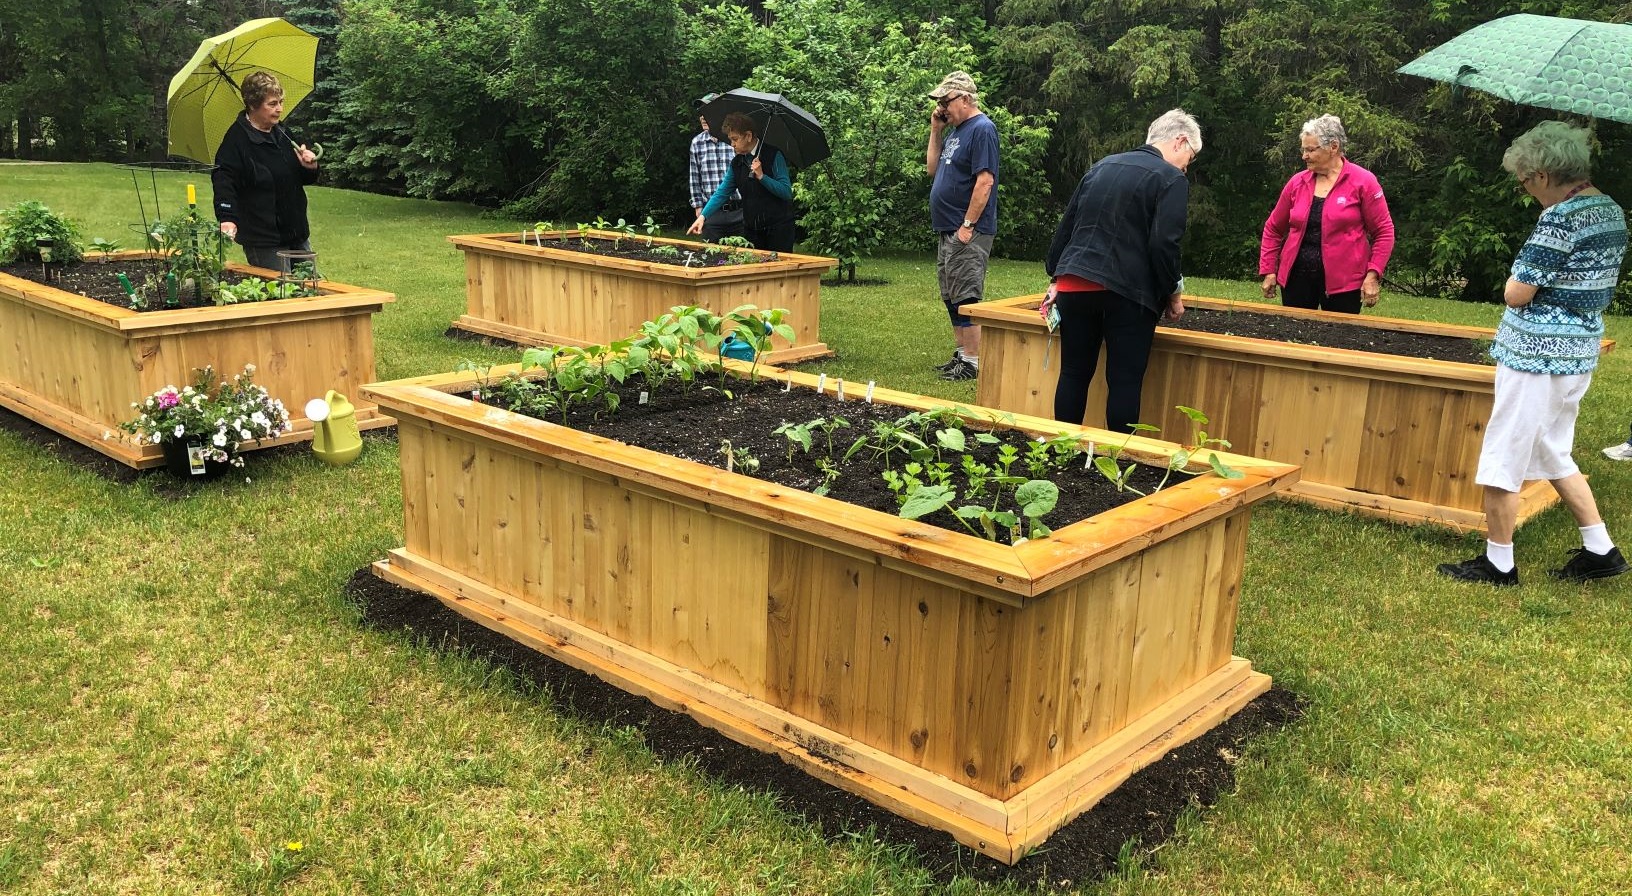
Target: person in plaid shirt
710,159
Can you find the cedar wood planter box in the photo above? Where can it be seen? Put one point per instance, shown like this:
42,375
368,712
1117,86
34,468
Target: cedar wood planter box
550,295
1383,435
993,692
75,365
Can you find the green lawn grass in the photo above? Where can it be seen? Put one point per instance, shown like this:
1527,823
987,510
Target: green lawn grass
189,693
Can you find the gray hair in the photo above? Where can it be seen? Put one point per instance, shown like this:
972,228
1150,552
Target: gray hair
1562,151
1175,123
1327,131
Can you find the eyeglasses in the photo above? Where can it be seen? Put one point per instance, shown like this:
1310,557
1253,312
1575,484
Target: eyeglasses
947,100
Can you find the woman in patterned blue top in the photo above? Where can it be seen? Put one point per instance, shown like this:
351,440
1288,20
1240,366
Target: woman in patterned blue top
1546,348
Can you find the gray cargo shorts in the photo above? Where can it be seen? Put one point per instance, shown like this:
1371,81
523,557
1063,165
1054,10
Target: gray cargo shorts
961,270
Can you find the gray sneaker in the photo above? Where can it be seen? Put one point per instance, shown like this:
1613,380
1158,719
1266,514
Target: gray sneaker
962,370
1619,452
957,358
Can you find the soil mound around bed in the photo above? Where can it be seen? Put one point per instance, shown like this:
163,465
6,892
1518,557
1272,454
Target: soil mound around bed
1145,810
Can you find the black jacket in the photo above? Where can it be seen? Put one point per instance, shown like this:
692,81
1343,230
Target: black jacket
1123,227
760,207
259,185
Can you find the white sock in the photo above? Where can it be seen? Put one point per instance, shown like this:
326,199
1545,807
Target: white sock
1500,556
1596,539
974,360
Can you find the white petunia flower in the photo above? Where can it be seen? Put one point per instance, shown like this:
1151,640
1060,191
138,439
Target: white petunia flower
220,439
180,430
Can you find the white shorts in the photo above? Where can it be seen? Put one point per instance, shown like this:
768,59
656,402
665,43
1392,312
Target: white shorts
1531,429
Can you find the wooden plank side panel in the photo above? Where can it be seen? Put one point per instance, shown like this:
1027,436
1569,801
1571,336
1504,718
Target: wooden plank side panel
1310,419
706,584
1167,638
419,481
1460,435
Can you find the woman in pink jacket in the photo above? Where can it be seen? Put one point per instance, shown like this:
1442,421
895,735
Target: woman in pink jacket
1330,235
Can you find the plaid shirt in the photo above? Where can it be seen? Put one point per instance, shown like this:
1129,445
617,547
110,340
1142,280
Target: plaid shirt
710,159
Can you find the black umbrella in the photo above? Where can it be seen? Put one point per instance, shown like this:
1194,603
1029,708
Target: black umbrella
782,124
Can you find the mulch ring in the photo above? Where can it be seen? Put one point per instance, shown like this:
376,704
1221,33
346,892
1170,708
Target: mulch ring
60,447
1144,810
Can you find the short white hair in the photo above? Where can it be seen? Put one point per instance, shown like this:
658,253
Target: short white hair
1327,131
1175,123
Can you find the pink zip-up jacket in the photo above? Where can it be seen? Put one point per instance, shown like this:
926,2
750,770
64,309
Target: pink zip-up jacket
1356,231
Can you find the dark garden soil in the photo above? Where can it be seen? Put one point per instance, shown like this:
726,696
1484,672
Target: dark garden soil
697,425
65,450
634,248
95,280
1144,810
1328,334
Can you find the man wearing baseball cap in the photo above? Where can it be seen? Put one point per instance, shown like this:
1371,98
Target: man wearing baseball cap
710,159
962,158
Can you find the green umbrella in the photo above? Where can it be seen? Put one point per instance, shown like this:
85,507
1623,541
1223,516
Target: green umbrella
204,98
1571,65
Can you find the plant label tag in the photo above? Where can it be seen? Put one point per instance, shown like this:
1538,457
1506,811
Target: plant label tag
195,460
840,392
869,391
788,385
643,396
821,383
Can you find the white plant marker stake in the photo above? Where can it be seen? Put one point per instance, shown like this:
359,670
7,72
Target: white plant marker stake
643,396
1089,460
869,391
840,392
788,385
821,383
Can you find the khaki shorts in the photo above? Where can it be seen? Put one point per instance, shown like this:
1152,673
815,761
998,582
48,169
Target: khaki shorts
961,269
1531,429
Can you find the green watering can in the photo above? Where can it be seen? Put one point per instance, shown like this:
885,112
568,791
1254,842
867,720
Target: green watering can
335,439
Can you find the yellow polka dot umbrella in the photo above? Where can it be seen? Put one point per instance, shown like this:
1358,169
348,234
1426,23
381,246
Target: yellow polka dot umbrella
204,98
1572,65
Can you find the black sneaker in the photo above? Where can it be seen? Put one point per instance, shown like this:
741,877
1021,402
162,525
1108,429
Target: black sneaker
957,358
1584,564
1480,569
962,370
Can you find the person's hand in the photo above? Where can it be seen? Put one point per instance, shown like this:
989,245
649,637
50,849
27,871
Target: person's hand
1269,286
755,170
1371,289
697,225
230,229
965,239
1049,298
937,120
1175,307
308,159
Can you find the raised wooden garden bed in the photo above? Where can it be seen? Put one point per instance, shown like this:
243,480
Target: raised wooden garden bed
994,692
553,295
1382,435
75,365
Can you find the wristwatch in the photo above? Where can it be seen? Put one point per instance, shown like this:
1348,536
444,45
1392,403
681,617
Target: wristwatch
968,223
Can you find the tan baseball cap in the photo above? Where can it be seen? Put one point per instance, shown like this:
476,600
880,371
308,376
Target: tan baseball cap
956,82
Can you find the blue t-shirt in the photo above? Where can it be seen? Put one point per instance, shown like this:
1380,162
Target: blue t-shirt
1573,257
966,151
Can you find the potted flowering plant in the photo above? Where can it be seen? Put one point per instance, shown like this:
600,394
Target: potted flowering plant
201,427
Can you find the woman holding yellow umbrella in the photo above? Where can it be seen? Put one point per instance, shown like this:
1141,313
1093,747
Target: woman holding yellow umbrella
226,106
260,178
